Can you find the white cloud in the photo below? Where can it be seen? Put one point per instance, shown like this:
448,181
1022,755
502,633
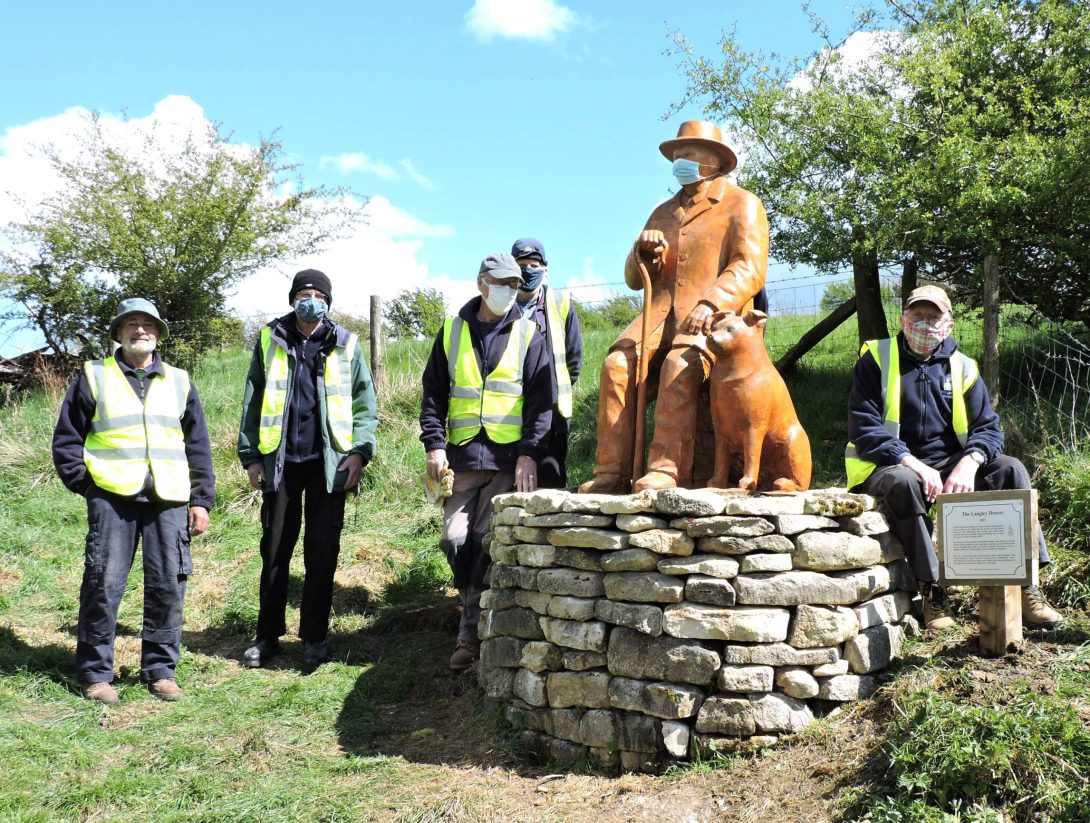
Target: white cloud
415,175
378,257
520,19
855,55
591,288
358,161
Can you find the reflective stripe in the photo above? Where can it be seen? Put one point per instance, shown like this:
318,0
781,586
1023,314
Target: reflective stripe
557,308
494,404
129,438
963,374
337,390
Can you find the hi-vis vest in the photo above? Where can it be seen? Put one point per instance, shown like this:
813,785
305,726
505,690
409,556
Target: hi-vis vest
495,403
557,308
128,438
338,393
963,374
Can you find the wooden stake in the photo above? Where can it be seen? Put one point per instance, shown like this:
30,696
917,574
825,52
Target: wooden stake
1000,619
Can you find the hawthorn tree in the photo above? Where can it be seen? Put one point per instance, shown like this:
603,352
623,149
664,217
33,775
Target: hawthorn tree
415,313
177,221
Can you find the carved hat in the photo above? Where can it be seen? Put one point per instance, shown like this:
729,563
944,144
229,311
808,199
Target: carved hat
137,305
929,294
701,133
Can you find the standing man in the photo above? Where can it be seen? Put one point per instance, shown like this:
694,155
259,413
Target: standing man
131,438
706,250
920,423
485,415
308,429
558,323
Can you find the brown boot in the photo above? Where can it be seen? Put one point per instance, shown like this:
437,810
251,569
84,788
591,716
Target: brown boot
655,480
605,484
465,655
99,692
1036,613
937,613
165,689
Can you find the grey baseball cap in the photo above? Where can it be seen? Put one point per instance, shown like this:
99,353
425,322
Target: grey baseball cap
501,266
137,305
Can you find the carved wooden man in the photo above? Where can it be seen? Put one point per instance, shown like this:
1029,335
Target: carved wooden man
706,250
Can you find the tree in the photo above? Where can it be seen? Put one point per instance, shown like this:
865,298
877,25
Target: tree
613,314
177,221
836,294
415,313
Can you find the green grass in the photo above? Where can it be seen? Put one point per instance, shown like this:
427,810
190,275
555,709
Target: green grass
385,732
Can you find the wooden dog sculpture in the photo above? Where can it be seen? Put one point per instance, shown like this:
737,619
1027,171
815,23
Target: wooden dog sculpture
752,411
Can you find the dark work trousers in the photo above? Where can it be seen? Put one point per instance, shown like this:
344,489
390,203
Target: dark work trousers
552,471
282,513
902,493
466,520
115,527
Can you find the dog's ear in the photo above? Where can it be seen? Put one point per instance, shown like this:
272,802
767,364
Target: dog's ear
754,317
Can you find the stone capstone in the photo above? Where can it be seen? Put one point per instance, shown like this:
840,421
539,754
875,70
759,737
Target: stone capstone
689,502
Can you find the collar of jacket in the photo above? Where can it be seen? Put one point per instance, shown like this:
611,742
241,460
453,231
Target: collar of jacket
284,329
468,312
155,368
715,192
946,348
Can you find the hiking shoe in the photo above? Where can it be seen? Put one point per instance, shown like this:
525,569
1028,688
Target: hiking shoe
100,692
465,655
315,654
259,654
165,689
937,611
1036,613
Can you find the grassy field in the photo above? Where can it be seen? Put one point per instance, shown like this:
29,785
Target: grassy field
385,732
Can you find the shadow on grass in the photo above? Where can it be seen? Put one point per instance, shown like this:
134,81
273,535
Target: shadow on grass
407,703
51,660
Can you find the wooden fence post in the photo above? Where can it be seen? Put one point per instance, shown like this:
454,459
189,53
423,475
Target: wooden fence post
990,360
377,336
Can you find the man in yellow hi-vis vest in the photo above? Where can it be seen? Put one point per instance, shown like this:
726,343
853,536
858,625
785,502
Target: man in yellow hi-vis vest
131,438
307,431
558,322
485,414
920,422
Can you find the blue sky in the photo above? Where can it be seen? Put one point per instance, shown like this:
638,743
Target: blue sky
470,124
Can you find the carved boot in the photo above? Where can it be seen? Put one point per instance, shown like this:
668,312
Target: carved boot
606,483
655,480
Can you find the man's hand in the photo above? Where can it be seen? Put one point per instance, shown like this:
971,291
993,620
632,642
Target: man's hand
932,481
963,477
437,461
256,473
652,242
525,474
699,320
354,465
198,520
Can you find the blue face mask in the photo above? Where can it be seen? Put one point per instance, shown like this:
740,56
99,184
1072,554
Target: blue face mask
687,171
310,309
532,278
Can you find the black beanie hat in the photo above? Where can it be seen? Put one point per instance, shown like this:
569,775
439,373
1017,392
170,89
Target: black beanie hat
312,279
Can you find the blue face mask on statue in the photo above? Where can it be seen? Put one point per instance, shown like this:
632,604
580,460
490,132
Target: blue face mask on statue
531,278
687,171
310,309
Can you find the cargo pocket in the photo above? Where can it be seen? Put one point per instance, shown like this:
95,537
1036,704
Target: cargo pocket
185,558
93,555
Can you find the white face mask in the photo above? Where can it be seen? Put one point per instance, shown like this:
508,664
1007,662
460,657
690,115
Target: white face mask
499,299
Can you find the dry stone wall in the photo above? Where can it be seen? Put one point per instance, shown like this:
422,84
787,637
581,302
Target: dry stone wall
635,631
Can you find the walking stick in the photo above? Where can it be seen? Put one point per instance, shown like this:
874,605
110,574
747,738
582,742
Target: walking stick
640,434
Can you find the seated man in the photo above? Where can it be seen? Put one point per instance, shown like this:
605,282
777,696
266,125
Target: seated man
942,436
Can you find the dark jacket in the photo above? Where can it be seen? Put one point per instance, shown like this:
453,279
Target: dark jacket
74,424
305,416
927,431
573,336
481,454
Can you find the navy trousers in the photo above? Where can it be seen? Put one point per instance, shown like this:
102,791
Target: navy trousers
115,528
302,493
902,493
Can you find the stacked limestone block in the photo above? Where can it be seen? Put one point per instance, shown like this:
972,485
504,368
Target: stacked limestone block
637,630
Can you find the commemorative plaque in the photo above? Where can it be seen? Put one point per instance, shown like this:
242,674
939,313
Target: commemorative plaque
987,538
